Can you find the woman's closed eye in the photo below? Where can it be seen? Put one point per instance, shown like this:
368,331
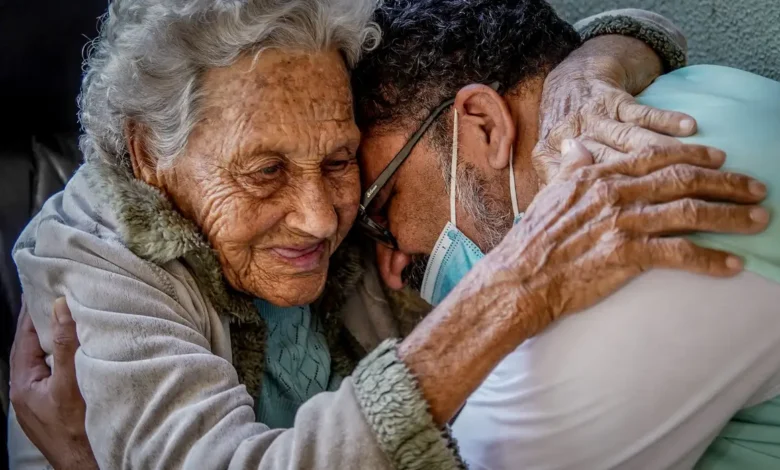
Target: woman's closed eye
271,170
339,164
265,173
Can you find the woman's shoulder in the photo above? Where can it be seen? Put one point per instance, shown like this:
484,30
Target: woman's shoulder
78,224
77,247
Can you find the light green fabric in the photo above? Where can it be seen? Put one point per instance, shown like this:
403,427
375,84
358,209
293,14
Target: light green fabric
297,363
740,113
751,440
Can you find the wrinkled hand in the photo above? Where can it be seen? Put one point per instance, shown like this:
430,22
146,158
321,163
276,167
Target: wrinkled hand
49,405
587,97
596,226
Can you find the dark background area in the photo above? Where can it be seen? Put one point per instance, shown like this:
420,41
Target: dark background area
41,44
40,62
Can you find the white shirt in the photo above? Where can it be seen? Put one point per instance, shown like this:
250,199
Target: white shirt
643,380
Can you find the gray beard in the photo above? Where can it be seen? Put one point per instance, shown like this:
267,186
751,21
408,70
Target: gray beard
414,272
492,216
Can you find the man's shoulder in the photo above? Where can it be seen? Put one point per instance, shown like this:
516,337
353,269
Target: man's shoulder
639,380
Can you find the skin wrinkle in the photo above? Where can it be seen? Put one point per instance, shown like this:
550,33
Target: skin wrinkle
270,165
569,250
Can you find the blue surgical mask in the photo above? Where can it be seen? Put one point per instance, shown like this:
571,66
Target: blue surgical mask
454,254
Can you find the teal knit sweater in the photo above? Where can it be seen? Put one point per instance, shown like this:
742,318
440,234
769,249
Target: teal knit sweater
297,363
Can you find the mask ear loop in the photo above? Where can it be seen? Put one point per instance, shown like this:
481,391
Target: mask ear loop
454,168
512,188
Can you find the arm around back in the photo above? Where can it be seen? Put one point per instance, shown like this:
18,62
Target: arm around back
155,367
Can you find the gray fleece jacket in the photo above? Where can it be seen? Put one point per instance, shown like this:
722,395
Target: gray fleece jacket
171,357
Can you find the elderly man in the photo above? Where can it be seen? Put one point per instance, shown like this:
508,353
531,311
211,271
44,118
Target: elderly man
648,377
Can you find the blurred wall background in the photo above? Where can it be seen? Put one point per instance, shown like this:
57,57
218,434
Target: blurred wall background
738,33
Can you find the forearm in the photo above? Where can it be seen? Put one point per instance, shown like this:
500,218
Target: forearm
636,46
457,346
659,33
629,62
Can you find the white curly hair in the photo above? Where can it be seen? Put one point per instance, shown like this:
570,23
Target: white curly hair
146,63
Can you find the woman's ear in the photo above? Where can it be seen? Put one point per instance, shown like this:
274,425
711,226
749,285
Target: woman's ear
486,123
144,163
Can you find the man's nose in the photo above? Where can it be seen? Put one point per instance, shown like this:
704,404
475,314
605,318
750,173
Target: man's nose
314,213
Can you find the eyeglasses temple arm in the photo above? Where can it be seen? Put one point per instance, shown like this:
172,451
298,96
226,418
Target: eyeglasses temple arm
392,167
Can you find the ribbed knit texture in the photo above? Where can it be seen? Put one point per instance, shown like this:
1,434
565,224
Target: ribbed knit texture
297,363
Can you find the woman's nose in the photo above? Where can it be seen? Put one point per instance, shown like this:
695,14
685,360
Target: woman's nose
314,213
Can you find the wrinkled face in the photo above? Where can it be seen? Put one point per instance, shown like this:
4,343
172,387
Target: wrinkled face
270,174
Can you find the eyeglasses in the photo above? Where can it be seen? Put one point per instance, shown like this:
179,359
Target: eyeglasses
370,227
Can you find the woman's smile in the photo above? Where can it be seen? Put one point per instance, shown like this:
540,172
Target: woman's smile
303,257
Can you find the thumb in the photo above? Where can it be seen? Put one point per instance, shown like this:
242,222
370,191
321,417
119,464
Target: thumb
66,343
574,156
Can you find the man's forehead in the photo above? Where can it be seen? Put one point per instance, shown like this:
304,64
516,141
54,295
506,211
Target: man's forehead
377,149
380,144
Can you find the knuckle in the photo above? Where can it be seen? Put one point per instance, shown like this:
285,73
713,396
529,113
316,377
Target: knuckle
644,114
652,151
649,158
604,191
684,175
582,173
540,149
620,106
624,249
684,251
574,125
616,239
687,210
569,127
62,340
736,181
623,134
601,154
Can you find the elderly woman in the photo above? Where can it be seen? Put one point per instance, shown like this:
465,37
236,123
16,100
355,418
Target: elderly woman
201,251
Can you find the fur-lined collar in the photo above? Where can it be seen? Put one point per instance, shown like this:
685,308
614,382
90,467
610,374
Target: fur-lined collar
154,230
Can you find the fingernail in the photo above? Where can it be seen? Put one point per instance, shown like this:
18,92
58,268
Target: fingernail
733,263
61,311
717,156
687,126
566,146
758,188
759,215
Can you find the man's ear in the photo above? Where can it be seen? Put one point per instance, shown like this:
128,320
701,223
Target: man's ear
144,162
391,264
487,116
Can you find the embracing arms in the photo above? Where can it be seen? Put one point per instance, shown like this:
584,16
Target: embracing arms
379,418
